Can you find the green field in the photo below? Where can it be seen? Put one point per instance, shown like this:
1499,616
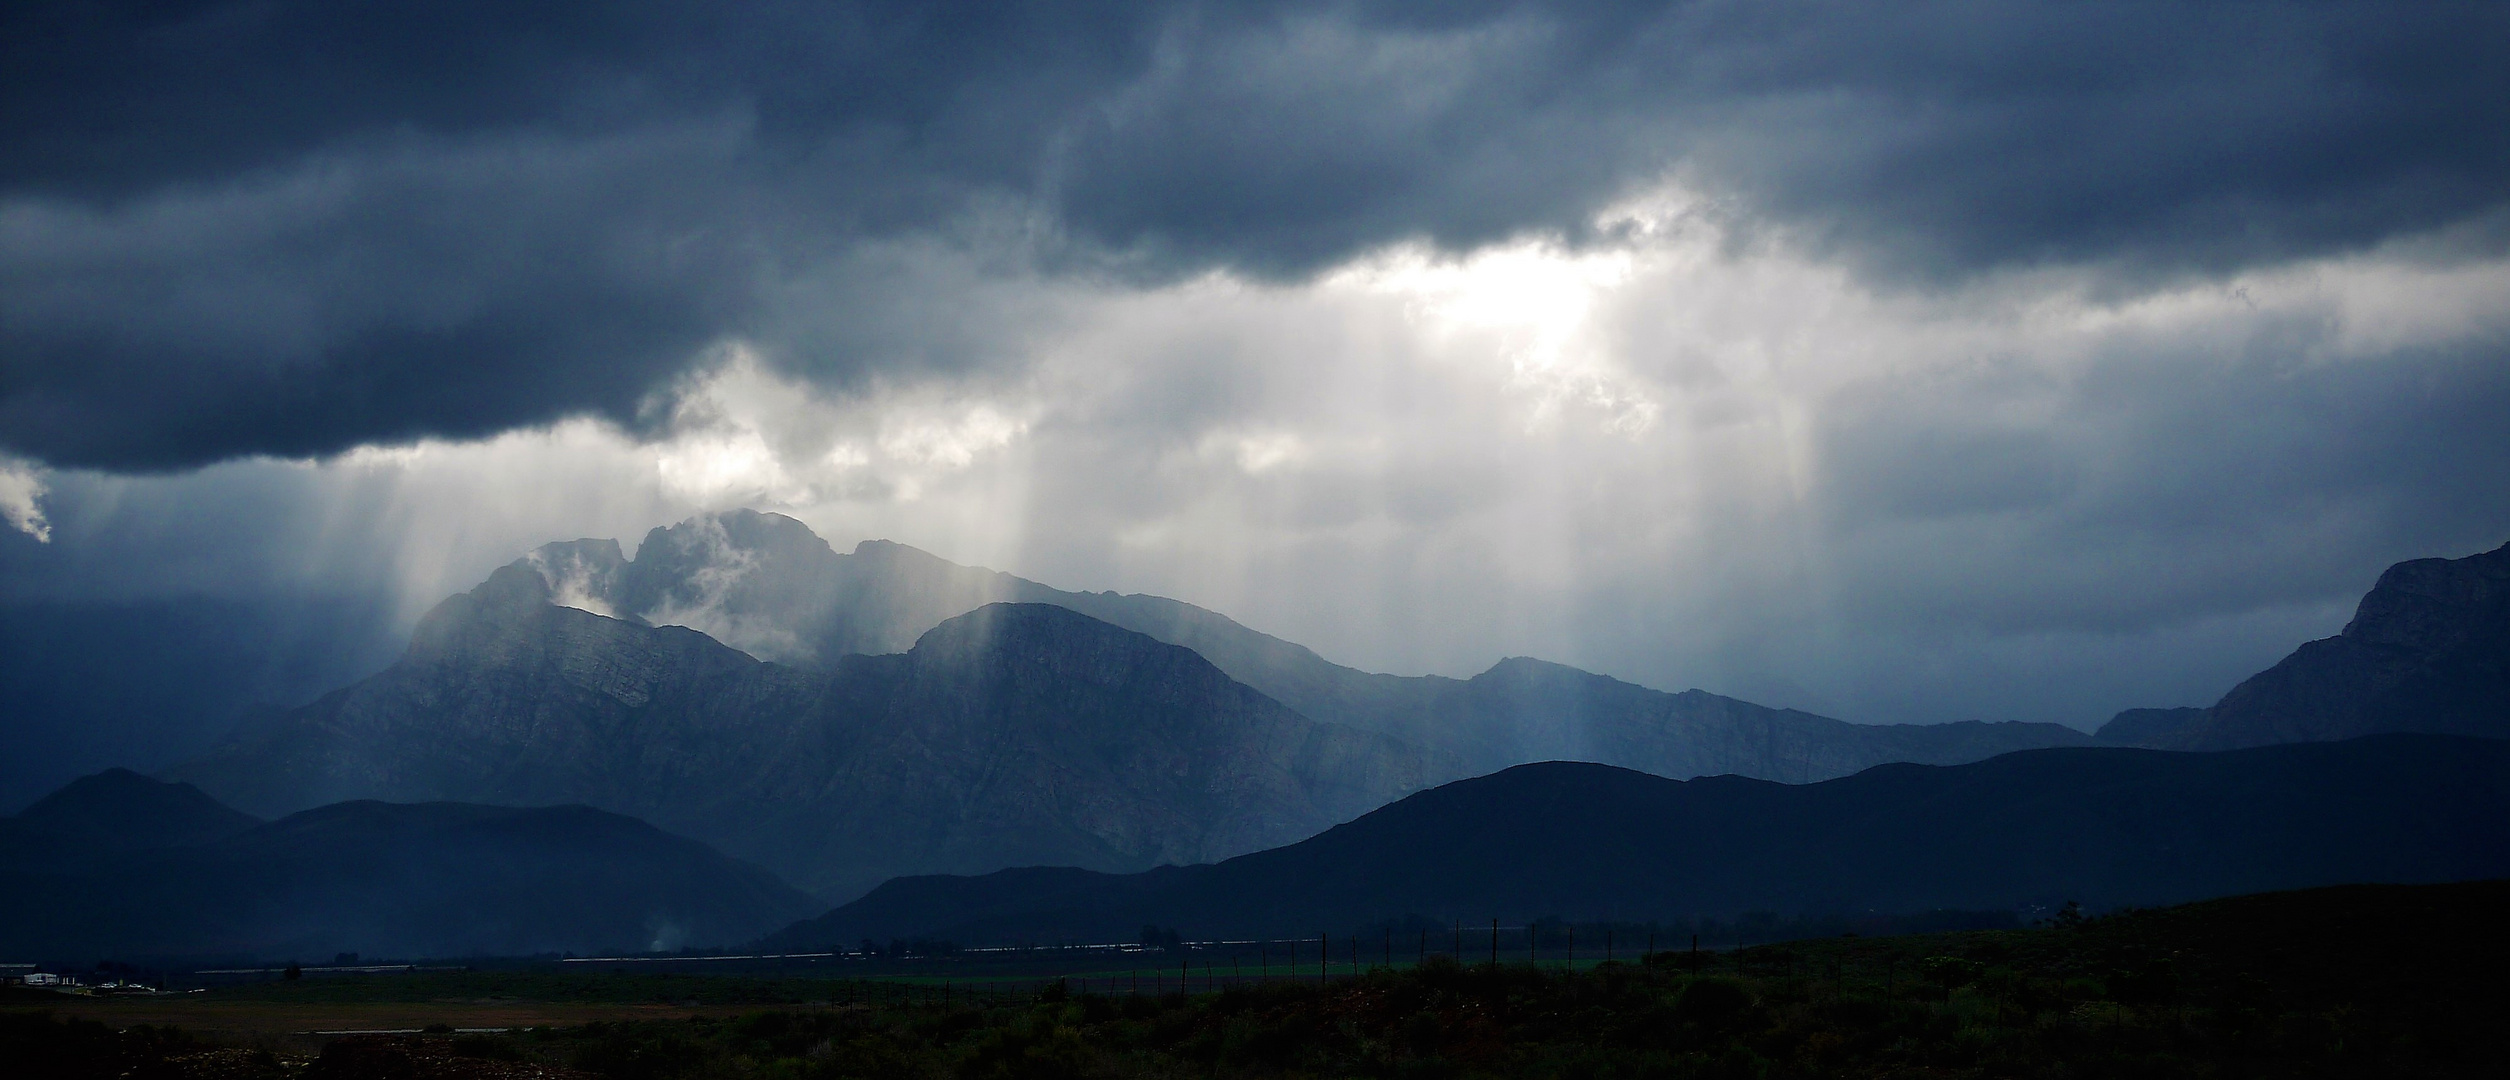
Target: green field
2356,981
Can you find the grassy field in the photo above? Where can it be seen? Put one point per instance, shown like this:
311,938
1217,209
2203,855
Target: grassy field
2357,981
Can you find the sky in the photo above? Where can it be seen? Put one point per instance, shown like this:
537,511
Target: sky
1907,363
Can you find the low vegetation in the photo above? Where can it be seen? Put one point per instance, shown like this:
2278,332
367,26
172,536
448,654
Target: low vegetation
2356,981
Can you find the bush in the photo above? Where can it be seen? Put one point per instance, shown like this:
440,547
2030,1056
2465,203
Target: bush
1712,1001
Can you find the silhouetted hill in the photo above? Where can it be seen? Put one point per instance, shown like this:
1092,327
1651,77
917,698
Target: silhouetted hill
2151,728
2100,825
2428,650
435,879
120,810
1013,734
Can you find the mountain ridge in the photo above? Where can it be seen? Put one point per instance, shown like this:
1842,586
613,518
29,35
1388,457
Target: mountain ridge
563,678
1012,733
768,581
2106,826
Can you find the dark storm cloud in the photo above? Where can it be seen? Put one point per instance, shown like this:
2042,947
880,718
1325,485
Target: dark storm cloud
390,294
293,228
2185,135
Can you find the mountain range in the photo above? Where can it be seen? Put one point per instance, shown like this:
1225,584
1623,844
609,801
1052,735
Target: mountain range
766,584
1012,735
845,719
2103,826
887,716
120,865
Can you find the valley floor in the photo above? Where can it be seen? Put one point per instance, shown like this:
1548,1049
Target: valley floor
2352,981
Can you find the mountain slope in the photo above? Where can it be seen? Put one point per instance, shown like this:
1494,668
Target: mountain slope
1525,710
2104,826
766,584
2428,650
120,810
1013,734
437,879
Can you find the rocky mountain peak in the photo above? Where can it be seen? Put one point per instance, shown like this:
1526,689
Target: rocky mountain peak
2428,604
581,573
2428,650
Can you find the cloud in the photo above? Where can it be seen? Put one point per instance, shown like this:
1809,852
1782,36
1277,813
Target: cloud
230,229
21,500
383,296
1671,453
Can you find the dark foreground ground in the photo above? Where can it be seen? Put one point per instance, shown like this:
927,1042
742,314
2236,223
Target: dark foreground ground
2355,981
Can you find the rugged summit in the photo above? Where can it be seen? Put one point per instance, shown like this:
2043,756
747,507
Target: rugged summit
1011,735
2428,650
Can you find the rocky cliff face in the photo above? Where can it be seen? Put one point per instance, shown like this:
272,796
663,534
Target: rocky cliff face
1012,735
2428,650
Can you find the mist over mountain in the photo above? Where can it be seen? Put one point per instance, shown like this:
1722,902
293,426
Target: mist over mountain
2105,826
142,684
767,585
117,865
1013,735
1024,725
2428,650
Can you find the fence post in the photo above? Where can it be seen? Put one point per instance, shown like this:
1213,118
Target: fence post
1324,957
1494,943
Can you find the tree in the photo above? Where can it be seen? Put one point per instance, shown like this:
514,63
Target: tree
2069,917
